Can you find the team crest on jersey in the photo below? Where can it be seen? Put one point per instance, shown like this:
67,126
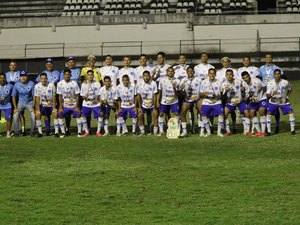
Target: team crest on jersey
251,72
254,87
113,71
49,91
196,85
97,72
28,88
7,91
131,73
95,89
216,88
283,88
237,86
131,91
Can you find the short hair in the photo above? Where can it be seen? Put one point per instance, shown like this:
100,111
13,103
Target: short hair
143,55
181,54
146,72
190,67
125,76
229,71
171,68
107,56
67,71
245,73
202,53
43,74
162,54
268,53
107,78
13,61
277,70
248,57
3,74
90,71
127,56
212,69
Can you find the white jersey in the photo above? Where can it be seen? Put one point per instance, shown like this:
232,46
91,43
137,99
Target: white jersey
252,70
130,72
45,93
68,90
256,89
139,72
168,86
191,88
180,71
221,74
91,91
201,70
281,90
235,94
127,95
110,71
109,95
147,91
161,71
213,88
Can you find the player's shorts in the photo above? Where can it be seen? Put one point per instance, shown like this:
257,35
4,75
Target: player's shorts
68,112
46,111
7,113
87,111
285,108
209,110
147,109
124,112
257,105
242,106
166,108
105,110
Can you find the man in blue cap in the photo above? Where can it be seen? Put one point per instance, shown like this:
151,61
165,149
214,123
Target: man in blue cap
52,75
75,71
24,90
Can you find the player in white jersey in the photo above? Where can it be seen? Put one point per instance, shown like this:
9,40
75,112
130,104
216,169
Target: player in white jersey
45,104
236,92
142,68
201,70
167,98
108,99
191,89
126,92
257,102
180,68
127,70
146,96
68,94
278,92
160,70
252,70
110,70
226,64
210,90
91,102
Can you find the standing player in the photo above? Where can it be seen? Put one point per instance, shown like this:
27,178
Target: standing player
52,75
252,70
126,92
5,102
278,91
211,92
91,61
75,71
127,70
236,91
139,71
180,69
110,70
13,75
147,91
167,99
90,95
191,87
108,101
257,102
201,70
68,95
160,70
44,93
226,64
24,91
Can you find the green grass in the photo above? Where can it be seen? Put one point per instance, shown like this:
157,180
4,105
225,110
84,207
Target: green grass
152,180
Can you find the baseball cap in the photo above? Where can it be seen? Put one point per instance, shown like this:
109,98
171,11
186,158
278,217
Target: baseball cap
71,58
23,73
49,60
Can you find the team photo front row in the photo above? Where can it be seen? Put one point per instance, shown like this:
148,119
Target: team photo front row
148,99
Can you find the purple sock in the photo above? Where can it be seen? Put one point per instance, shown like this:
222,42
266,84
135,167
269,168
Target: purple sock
47,123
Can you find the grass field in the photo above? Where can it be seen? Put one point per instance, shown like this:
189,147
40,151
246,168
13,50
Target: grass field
152,180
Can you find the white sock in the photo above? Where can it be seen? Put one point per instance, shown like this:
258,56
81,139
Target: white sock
134,122
269,123
118,126
246,124
263,124
105,126
123,124
227,125
100,122
61,125
23,129
56,126
220,123
81,122
177,119
155,130
183,125
206,125
256,124
199,121
161,124
142,128
39,126
292,121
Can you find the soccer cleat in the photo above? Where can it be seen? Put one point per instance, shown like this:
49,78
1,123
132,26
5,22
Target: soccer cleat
207,134
124,133
268,134
106,134
8,135
160,134
23,134
183,134
141,133
79,135
257,134
119,134
134,133
98,134
39,135
277,130
248,134
48,133
62,135
293,132
220,134
86,134
56,135
202,134
227,134
68,133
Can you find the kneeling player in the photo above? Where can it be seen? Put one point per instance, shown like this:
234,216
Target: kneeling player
146,91
278,91
191,87
126,105
108,101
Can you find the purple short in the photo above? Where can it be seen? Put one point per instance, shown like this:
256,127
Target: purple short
68,112
87,111
7,113
241,106
255,106
124,112
207,110
105,110
285,108
46,111
146,109
166,108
